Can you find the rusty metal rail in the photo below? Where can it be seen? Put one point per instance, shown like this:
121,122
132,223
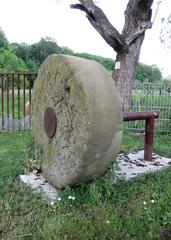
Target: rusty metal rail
15,91
149,129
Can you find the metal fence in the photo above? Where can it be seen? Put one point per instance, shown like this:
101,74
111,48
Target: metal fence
16,90
150,97
15,94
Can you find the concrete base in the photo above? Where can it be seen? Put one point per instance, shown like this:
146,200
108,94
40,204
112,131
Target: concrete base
130,166
39,183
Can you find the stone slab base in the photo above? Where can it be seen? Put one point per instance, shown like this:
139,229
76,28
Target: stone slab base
130,166
38,182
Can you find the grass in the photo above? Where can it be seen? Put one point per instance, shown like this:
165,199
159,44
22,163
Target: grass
101,210
133,142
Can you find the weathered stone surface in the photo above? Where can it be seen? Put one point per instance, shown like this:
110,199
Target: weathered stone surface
89,119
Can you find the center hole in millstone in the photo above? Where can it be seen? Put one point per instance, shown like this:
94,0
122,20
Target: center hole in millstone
50,122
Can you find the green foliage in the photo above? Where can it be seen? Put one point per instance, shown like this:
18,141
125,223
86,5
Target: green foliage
9,62
67,51
21,50
32,66
106,62
33,55
3,39
34,161
166,80
41,50
148,73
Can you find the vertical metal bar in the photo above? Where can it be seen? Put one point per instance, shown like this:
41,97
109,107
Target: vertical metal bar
7,94
149,133
24,98
167,107
18,87
157,105
162,107
13,102
29,100
2,100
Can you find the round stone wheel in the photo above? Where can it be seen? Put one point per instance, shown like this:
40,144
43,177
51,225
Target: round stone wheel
76,119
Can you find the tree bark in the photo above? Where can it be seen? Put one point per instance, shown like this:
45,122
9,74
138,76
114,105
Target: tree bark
128,44
125,75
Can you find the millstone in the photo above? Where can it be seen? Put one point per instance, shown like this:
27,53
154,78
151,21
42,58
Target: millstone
77,119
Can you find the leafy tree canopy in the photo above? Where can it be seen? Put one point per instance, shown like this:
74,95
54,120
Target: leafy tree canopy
41,50
3,39
9,62
148,73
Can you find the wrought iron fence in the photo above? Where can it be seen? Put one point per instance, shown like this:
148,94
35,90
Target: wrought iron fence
16,91
15,94
151,97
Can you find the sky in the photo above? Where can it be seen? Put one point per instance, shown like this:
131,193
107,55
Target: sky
29,20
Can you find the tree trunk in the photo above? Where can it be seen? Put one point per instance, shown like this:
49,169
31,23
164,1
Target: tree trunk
125,70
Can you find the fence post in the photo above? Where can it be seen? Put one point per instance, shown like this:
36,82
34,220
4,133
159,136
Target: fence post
149,134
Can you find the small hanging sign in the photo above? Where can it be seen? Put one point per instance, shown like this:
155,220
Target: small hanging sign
117,65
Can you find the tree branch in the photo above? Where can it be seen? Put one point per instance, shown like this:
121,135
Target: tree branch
82,8
140,30
137,19
100,22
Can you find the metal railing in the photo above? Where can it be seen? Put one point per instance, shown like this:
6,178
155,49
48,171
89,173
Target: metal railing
149,118
15,94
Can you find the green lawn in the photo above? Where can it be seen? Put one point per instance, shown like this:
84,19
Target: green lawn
100,210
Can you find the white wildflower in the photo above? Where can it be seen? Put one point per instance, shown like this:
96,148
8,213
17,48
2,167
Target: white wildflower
52,203
145,203
107,221
152,201
59,199
71,198
145,208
